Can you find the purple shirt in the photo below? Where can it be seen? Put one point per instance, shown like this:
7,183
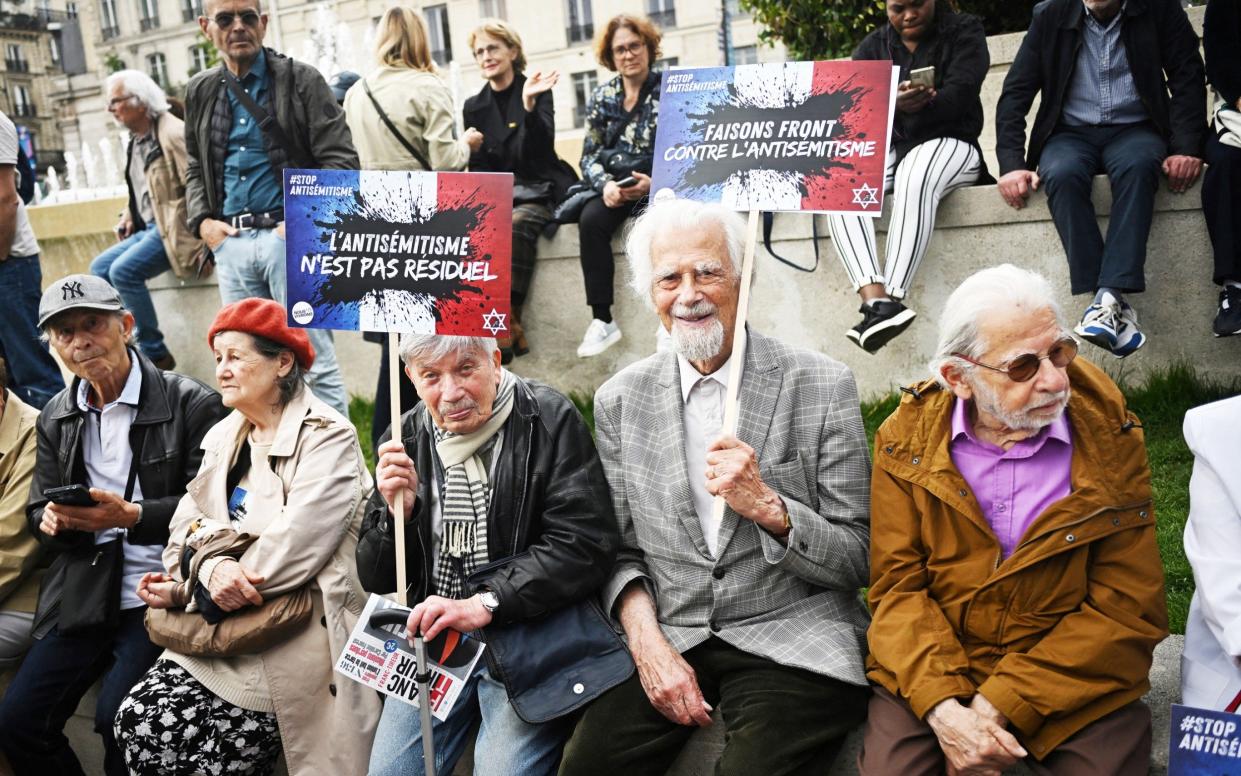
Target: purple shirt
1013,486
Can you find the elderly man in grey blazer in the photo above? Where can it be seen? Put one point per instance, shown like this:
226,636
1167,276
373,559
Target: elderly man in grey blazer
757,612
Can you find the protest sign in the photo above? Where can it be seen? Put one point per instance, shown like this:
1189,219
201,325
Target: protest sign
1204,741
800,136
421,252
383,659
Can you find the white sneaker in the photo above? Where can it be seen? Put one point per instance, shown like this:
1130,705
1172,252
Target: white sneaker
599,337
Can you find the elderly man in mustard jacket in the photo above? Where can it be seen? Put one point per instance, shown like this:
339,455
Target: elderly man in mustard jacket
1016,584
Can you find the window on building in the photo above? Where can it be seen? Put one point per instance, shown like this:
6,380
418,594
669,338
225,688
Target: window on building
109,23
662,12
583,86
745,55
191,10
71,9
157,68
54,45
664,64
22,105
581,27
437,28
198,58
15,59
735,10
492,9
148,14
43,9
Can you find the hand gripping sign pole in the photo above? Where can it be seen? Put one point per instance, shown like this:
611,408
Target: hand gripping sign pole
423,676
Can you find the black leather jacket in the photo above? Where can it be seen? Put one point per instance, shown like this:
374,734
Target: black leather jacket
552,534
174,412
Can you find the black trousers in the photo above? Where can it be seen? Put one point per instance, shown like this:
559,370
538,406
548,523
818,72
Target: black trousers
1221,204
781,720
596,227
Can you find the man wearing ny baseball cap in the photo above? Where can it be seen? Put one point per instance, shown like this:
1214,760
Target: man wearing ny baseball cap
131,435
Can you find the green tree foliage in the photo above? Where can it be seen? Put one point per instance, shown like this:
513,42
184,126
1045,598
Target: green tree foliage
829,29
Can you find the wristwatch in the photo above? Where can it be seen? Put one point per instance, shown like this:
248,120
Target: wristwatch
489,599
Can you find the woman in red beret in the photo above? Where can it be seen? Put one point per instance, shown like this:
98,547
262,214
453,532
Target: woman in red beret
287,468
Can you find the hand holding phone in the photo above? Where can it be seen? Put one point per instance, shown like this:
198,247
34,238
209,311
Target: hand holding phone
70,495
626,183
923,76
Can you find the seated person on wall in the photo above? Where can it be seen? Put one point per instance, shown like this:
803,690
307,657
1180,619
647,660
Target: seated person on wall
1211,662
285,468
508,521
1221,184
621,116
153,235
756,613
935,151
19,551
1016,584
132,434
516,115
1105,69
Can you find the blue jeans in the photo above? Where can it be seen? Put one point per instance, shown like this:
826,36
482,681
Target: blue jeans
128,266
57,672
33,373
1132,156
251,263
505,744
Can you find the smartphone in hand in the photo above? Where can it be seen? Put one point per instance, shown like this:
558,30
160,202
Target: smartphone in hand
923,76
626,183
70,495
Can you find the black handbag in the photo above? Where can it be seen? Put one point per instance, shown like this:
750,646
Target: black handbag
558,663
90,597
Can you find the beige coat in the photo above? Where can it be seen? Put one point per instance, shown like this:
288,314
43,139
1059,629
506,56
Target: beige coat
19,552
419,104
326,721
166,181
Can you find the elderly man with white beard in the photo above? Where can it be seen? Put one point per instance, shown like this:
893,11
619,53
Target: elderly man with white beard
757,613
1016,585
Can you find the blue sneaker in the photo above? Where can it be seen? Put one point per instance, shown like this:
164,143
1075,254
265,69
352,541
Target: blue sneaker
1100,324
1128,338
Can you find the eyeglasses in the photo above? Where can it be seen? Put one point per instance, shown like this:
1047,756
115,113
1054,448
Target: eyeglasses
112,103
491,50
225,19
1023,367
632,49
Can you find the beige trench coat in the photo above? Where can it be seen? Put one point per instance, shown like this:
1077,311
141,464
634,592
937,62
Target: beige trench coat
326,721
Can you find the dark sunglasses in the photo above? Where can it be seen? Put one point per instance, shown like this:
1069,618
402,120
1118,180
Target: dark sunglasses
1025,366
225,19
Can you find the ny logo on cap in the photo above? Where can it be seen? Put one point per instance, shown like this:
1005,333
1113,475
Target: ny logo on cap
71,290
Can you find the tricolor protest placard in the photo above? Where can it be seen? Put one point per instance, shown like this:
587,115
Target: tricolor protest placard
810,136
422,252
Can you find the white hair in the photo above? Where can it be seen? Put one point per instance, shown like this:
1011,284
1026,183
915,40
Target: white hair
677,216
141,88
433,347
1006,289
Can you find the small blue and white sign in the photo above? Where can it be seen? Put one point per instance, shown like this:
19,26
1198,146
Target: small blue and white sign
1204,742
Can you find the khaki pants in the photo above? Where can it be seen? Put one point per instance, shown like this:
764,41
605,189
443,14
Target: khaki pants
896,741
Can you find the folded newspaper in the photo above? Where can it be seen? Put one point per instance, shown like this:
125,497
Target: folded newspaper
381,658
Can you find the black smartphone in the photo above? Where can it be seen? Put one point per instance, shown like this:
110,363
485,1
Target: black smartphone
70,495
625,183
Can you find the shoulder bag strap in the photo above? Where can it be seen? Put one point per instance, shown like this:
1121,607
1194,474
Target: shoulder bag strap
769,219
392,128
267,122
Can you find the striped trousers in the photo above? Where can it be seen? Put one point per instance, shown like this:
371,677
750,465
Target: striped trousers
917,183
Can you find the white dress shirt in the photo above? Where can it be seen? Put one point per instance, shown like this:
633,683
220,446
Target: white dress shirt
108,456
704,420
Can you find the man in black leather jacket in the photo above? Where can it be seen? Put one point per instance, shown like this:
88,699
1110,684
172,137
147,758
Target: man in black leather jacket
509,530
131,433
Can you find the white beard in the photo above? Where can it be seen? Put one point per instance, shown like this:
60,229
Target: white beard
697,343
988,400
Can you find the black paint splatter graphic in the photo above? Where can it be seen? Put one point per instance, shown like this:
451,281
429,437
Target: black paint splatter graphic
738,107
365,219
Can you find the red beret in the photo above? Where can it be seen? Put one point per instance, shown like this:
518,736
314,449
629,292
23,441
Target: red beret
264,318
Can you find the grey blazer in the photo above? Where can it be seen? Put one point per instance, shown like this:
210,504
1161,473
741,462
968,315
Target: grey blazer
797,605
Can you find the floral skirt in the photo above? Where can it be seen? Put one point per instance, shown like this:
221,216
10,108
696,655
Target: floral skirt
170,724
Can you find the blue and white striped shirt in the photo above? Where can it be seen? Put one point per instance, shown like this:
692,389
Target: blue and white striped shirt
1102,90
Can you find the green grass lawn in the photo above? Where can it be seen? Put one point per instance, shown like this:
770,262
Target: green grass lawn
1160,402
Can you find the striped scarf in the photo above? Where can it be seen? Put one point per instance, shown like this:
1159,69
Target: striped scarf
466,494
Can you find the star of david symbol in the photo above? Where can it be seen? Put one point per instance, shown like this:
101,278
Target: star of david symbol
494,321
865,195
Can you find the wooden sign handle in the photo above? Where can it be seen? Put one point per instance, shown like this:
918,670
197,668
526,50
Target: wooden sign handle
398,517
732,407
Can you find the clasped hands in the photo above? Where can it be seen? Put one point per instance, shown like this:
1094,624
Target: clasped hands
974,738
231,587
